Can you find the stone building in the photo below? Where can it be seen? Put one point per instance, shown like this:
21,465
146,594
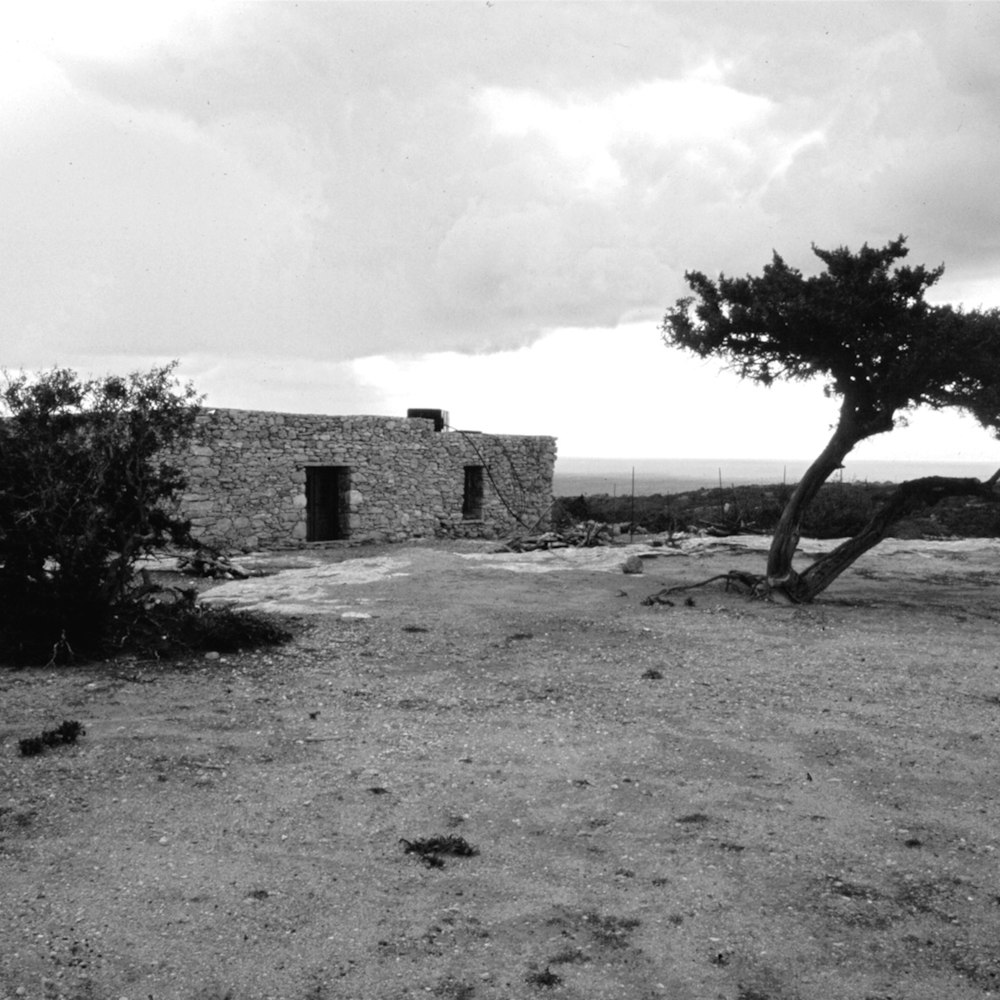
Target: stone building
266,480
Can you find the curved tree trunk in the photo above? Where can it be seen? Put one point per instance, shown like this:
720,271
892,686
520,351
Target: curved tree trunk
906,499
780,574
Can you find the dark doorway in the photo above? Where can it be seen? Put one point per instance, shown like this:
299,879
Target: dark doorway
327,487
472,498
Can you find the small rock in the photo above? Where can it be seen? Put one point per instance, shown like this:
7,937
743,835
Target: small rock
632,565
164,841
213,656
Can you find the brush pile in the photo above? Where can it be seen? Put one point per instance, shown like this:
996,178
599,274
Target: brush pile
206,562
586,534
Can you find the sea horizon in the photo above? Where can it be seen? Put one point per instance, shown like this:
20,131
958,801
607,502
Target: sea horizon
614,476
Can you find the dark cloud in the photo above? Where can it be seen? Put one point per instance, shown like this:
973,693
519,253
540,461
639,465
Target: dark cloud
327,179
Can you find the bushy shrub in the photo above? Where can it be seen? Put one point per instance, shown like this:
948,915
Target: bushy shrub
567,511
967,518
84,493
840,510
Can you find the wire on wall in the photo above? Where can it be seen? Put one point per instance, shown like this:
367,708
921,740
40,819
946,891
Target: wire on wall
470,438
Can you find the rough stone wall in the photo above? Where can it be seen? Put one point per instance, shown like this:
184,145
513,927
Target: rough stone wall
246,474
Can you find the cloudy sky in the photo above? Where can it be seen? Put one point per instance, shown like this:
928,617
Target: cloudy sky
482,206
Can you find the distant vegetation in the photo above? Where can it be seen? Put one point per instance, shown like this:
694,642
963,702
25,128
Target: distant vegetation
839,511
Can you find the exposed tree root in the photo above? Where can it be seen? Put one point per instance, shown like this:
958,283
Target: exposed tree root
749,584
62,651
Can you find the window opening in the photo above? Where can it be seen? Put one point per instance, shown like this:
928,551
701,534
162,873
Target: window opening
327,487
472,498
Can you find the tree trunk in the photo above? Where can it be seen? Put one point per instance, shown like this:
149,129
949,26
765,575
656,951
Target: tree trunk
857,422
780,574
907,498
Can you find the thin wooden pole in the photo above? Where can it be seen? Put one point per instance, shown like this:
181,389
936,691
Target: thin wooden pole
631,526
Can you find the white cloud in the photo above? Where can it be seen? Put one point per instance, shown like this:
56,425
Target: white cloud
661,112
622,392
103,29
612,391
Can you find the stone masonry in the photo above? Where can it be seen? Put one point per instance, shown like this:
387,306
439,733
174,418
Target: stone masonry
256,480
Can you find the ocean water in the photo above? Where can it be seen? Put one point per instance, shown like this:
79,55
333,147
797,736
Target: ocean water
614,476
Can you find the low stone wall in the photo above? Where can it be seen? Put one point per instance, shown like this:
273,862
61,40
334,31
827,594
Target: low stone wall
247,473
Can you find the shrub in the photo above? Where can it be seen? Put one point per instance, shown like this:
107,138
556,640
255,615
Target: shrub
840,510
84,493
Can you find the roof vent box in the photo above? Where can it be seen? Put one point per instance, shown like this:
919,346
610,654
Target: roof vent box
440,417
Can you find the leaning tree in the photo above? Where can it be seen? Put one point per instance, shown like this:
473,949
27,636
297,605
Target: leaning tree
863,326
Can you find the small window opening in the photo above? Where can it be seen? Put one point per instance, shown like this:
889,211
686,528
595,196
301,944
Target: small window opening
472,498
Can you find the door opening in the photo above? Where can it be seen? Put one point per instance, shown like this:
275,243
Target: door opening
327,509
472,497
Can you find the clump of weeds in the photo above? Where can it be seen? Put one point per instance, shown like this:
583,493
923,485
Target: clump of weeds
545,978
433,850
611,931
67,732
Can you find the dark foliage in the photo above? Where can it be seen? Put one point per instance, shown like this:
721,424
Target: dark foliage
838,511
182,626
85,491
433,850
67,732
544,978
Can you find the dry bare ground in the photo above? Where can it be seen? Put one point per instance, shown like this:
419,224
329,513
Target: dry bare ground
729,800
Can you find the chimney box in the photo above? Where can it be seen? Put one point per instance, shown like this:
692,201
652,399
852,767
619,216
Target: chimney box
440,417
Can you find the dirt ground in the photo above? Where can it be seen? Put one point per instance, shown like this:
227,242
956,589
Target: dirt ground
726,801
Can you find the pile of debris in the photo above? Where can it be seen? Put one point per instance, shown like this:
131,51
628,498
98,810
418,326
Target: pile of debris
208,562
587,534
